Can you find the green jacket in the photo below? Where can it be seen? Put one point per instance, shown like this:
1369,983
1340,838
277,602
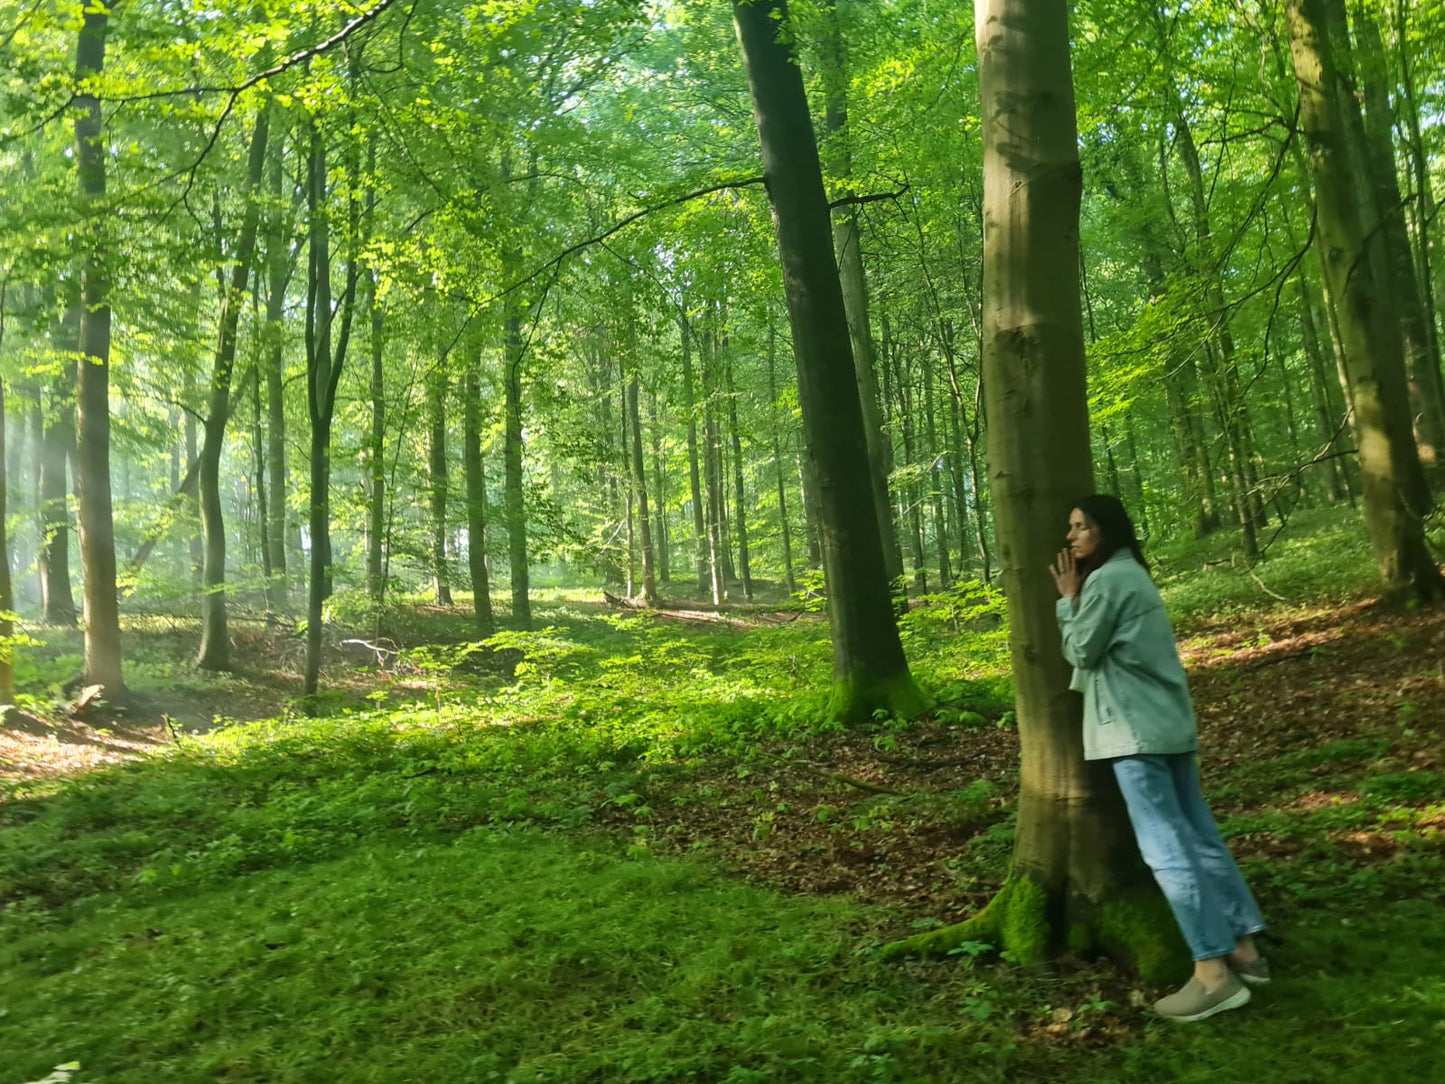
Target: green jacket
1119,640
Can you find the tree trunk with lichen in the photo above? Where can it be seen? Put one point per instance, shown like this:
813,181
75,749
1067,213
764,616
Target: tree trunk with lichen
870,671
1076,883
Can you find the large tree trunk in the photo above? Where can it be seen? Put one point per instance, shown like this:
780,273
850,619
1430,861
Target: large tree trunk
868,663
1422,198
92,384
1375,369
1422,363
476,497
215,649
1076,875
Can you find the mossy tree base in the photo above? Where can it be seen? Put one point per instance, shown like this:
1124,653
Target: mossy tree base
858,698
1031,926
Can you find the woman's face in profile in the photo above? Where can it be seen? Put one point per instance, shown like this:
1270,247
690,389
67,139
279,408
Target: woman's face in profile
1084,538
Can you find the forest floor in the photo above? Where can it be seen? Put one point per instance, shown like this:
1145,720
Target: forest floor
1323,744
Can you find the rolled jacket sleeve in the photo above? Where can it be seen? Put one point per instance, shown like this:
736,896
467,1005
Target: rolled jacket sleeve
1088,628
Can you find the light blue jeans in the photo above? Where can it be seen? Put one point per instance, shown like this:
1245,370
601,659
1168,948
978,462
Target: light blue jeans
1181,843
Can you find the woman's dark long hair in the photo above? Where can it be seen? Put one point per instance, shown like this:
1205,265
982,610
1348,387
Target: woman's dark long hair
1115,528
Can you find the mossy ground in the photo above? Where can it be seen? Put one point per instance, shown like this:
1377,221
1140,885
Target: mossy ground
531,872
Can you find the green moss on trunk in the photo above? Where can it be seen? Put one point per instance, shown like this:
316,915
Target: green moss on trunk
856,698
1137,930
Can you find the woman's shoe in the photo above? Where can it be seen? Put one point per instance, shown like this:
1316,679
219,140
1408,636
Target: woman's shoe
1254,973
1193,1001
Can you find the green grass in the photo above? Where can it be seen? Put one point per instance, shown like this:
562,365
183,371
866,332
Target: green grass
518,956
1322,556
497,955
419,893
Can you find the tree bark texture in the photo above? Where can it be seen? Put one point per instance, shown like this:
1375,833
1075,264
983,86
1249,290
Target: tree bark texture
788,574
868,663
854,280
639,482
512,456
215,648
1075,866
57,444
438,385
1422,364
476,481
694,477
1375,369
278,272
92,383
740,496
323,374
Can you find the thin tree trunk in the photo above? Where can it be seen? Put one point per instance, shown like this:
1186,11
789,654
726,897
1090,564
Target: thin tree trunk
92,385
7,594
1325,430
375,440
37,501
323,374
512,458
958,474
215,649
486,623
812,532
57,602
854,281
740,493
699,529
639,473
629,474
980,504
659,506
1222,374
711,472
935,480
908,494
868,663
436,397
278,268
788,574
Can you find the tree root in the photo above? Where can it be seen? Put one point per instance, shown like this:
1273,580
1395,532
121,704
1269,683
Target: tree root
1025,923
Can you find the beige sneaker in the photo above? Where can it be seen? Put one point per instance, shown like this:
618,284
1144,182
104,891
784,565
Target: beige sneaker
1193,1002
